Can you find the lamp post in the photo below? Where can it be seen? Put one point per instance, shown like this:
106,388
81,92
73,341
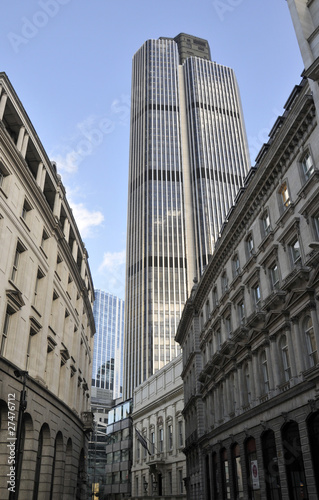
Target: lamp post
22,407
145,486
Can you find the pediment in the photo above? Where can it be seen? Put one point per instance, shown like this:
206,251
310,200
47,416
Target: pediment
15,299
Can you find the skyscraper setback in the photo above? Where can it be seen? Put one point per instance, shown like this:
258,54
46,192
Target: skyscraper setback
188,159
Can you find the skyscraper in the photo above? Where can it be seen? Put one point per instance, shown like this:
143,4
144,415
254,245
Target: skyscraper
108,312
188,159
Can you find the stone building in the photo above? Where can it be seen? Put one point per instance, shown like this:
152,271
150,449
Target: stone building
47,325
250,333
159,468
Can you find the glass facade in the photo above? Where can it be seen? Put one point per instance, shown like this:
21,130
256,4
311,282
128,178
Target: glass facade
188,158
107,368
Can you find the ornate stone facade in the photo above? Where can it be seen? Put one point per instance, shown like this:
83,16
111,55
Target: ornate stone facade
159,470
47,325
249,331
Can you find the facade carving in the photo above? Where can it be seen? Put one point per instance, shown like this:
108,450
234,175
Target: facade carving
47,325
250,333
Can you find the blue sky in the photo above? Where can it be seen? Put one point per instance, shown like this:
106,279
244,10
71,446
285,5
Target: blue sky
70,64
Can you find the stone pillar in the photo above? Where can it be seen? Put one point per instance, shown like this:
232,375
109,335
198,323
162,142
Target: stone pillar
3,102
253,379
298,344
269,368
20,138
275,362
291,352
240,386
66,229
57,204
255,374
25,144
315,323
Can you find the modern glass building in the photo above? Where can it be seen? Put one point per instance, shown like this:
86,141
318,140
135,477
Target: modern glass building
188,159
107,368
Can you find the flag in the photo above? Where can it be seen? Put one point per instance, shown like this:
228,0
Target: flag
142,441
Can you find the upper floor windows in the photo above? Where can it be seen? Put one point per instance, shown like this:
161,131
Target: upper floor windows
284,196
20,248
250,246
294,249
311,341
236,265
274,276
285,357
224,282
256,294
307,165
264,369
4,172
265,223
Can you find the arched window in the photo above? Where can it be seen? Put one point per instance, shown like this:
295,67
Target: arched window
270,460
285,357
264,369
57,468
311,341
38,466
293,459
215,475
237,472
252,468
225,474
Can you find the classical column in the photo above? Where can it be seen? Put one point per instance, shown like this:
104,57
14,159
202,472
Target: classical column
298,343
57,204
240,386
315,323
20,138
275,362
25,144
269,368
255,374
3,102
66,229
75,250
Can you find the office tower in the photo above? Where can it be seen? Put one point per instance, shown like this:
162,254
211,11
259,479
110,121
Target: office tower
305,18
107,377
188,159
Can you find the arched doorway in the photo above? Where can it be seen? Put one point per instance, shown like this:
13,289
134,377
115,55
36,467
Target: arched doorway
295,471
270,460
313,432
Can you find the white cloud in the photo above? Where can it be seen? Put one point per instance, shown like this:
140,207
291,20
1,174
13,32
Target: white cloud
85,218
68,163
113,270
113,260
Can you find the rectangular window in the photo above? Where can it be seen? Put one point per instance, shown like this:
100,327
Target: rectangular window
256,294
295,251
266,223
5,331
316,226
250,246
274,276
236,266
152,443
228,325
170,437
307,165
180,482
284,193
241,311
180,433
160,439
